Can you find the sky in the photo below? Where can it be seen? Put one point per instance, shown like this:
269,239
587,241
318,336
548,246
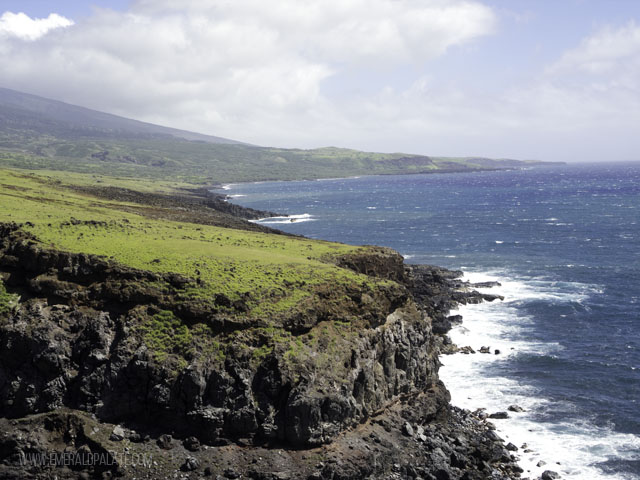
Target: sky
555,80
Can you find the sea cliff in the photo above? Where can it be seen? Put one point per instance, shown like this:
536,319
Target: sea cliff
353,401
162,335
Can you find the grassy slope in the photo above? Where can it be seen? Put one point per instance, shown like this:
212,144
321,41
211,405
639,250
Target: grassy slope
205,163
278,277
41,133
275,271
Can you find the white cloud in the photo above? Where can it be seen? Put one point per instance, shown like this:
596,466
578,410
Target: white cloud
602,53
598,82
258,71
339,30
24,27
584,106
239,68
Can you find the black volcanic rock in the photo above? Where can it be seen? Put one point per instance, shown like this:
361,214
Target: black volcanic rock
89,369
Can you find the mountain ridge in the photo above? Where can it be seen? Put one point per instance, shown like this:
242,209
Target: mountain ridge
42,134
78,118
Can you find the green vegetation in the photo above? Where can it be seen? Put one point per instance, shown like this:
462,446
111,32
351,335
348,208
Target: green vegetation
37,133
244,295
270,273
165,334
7,300
273,277
205,163
60,177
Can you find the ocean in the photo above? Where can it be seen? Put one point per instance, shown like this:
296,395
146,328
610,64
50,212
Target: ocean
564,242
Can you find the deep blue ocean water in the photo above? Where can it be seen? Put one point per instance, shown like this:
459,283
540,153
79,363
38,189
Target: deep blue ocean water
564,242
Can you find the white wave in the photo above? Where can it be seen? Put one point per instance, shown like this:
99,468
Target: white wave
331,179
576,447
305,217
238,195
227,186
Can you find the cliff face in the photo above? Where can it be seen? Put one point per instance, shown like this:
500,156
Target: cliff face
92,336
78,329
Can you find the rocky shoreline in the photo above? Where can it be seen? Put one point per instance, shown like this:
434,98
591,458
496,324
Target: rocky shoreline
80,397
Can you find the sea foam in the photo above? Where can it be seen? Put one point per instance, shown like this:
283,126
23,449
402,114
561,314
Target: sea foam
305,217
573,449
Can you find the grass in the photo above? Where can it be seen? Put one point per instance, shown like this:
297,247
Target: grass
174,160
273,273
7,300
97,180
278,278
164,333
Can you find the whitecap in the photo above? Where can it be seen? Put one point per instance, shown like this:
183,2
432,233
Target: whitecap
577,446
305,217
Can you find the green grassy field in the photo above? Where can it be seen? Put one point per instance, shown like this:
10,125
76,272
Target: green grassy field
276,272
206,163
276,277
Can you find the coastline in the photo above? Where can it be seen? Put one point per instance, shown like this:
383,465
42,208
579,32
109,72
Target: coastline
478,382
410,430
459,292
388,437
229,185
474,348
592,456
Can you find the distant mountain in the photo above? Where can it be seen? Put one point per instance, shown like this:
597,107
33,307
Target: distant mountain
39,133
23,111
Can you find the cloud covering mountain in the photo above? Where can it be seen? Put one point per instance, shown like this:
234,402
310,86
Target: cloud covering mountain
429,76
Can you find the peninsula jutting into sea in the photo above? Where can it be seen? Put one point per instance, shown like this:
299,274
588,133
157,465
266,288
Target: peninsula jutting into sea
319,240
149,329
557,358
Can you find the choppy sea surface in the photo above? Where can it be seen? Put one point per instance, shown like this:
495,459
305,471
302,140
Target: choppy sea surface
564,242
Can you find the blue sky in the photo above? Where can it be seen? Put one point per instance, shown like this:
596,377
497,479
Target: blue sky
556,80
74,9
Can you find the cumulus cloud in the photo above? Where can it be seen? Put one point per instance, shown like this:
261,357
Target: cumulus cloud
602,53
240,68
599,79
24,27
583,106
266,73
338,30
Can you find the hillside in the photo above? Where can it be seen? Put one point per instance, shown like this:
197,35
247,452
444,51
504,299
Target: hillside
144,317
23,113
135,323
38,133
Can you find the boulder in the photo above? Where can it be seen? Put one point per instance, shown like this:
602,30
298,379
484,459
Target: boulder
499,415
118,434
407,429
190,464
549,475
165,442
192,444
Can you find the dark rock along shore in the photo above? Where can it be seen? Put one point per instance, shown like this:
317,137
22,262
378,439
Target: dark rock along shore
74,381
